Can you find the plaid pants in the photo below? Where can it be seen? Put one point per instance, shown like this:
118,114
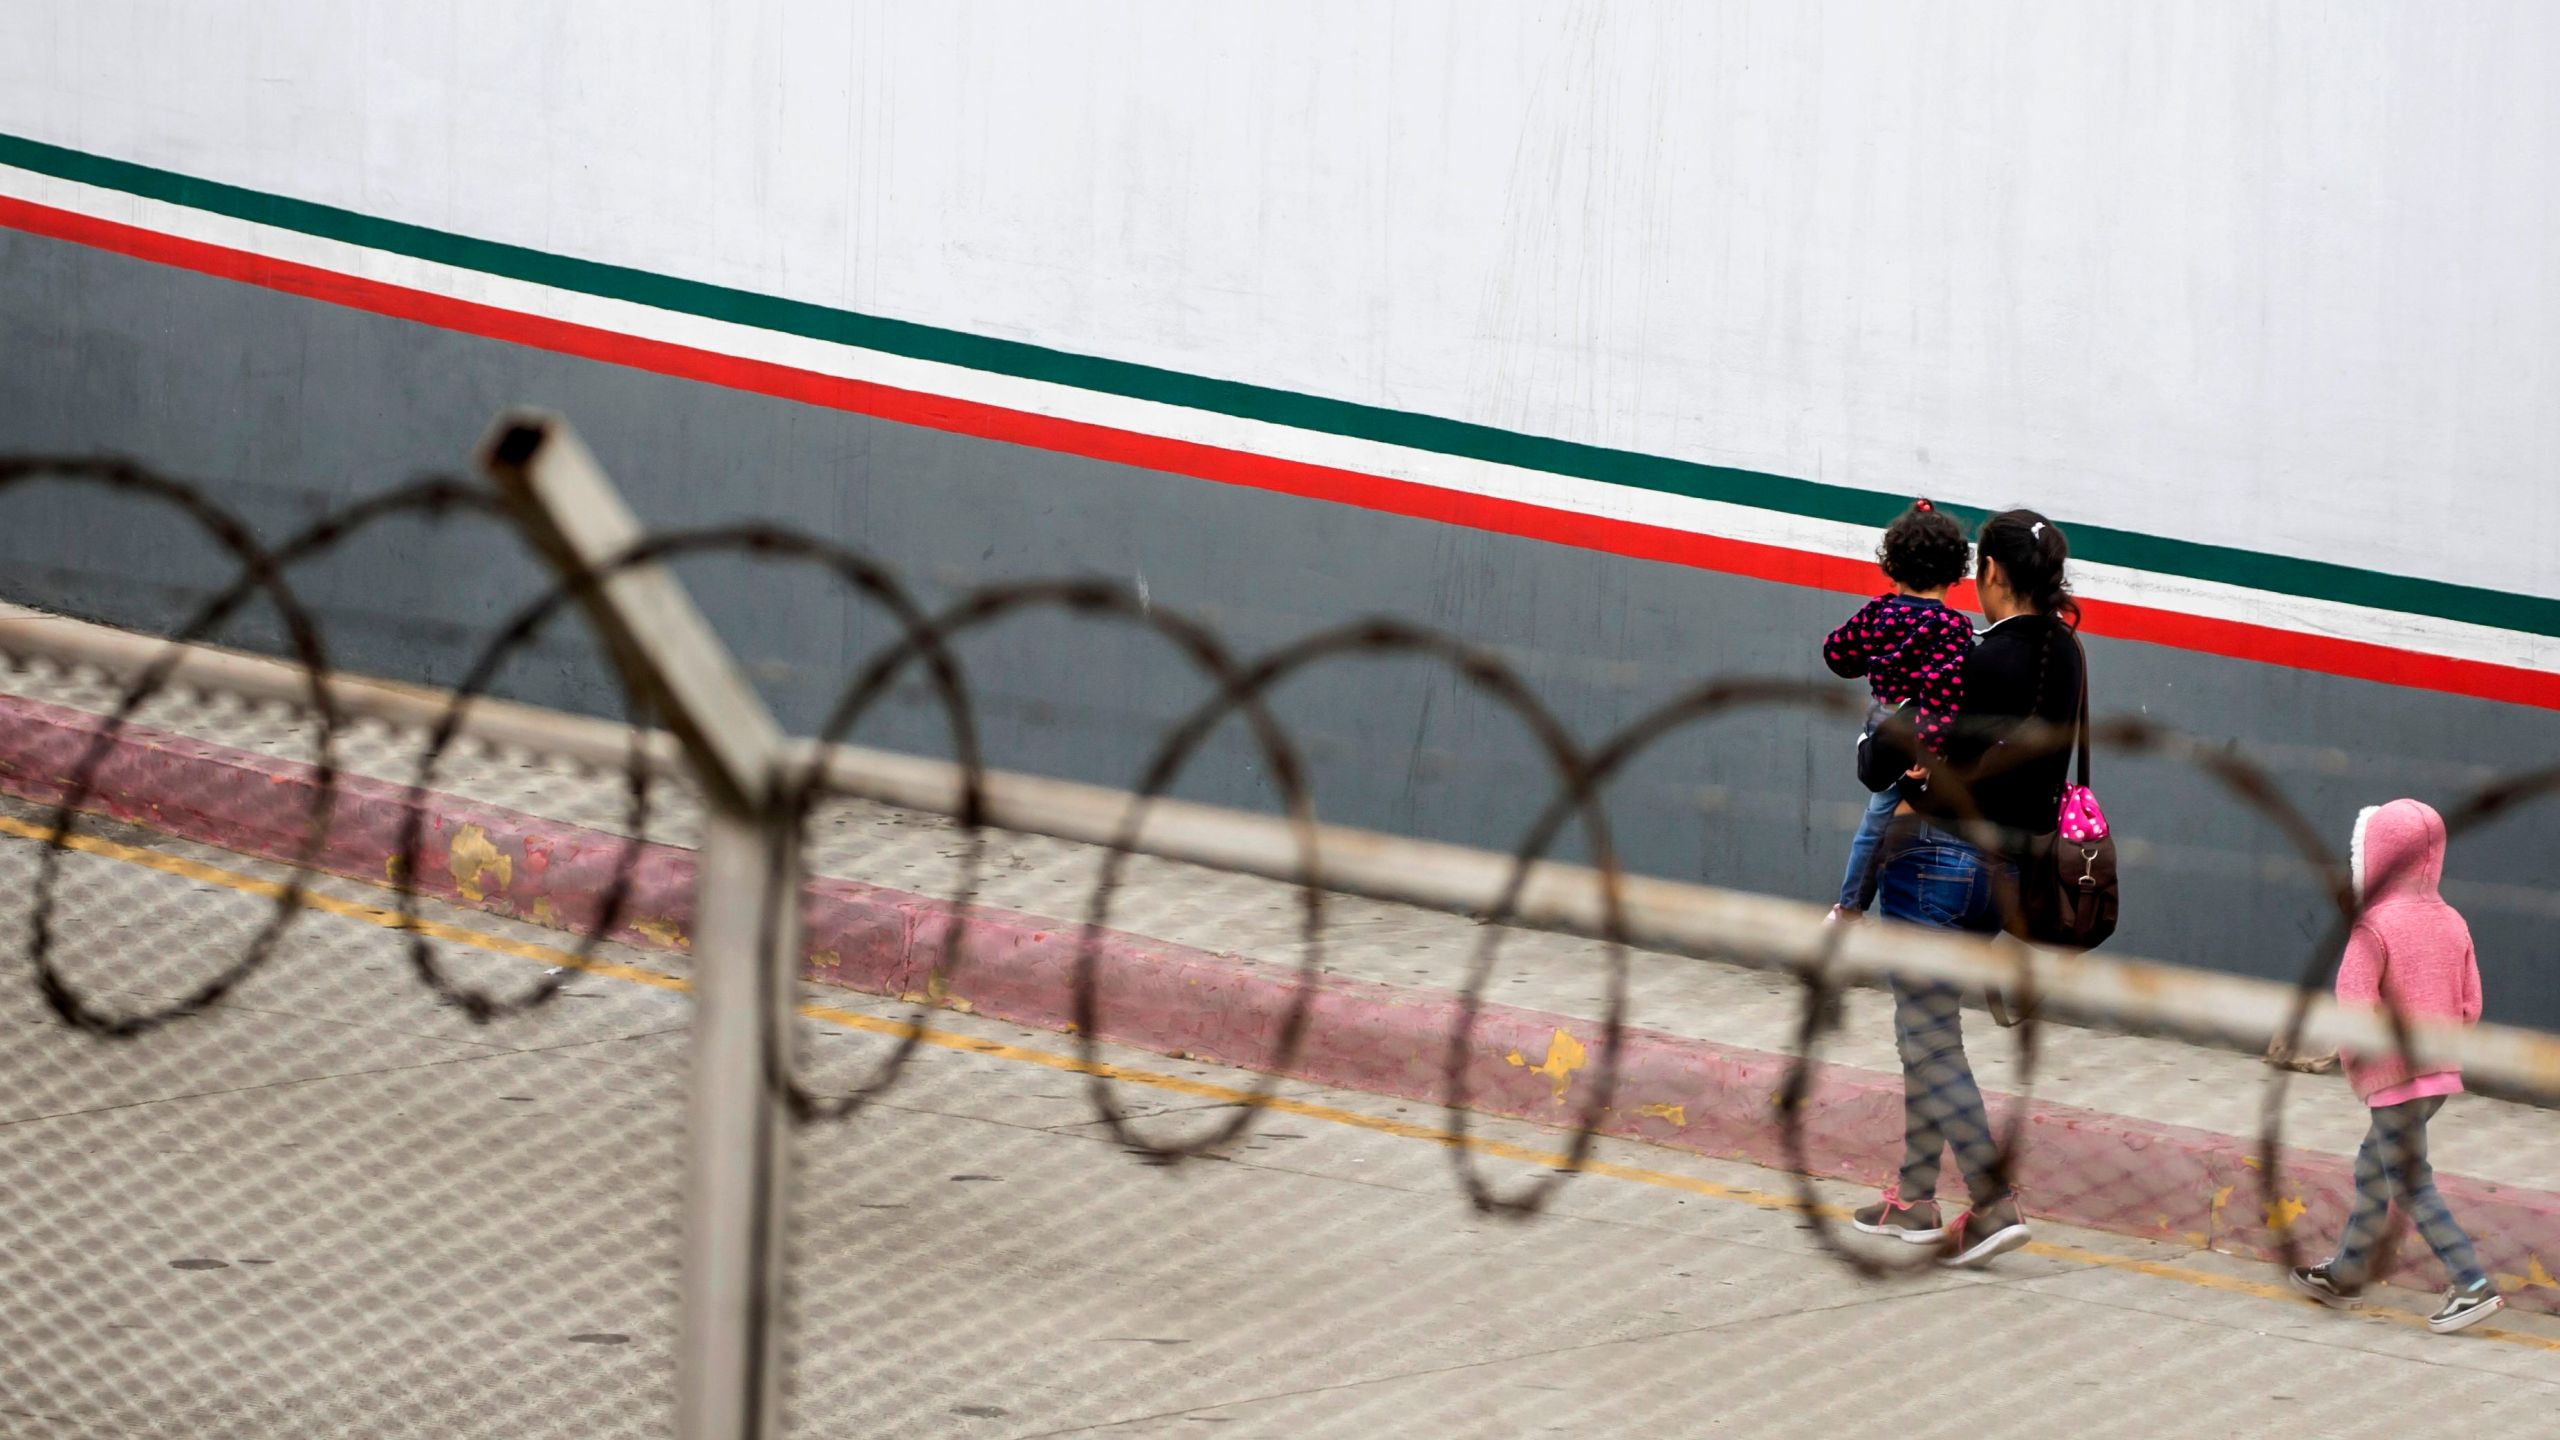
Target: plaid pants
1941,1104
2392,1164
1929,877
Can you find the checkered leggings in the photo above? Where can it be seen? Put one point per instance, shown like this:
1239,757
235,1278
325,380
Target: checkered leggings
2392,1165
1941,1104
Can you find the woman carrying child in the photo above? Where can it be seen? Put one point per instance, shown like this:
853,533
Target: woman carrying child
1948,855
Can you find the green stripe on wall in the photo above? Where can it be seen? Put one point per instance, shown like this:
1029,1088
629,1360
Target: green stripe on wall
2279,574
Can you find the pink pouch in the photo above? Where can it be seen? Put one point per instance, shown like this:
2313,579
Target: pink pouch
2081,821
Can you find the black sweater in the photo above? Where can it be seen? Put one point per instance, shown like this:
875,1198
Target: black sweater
2027,665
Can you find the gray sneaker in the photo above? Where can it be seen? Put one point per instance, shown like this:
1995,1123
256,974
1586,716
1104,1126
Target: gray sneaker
1985,1233
2466,1305
1916,1222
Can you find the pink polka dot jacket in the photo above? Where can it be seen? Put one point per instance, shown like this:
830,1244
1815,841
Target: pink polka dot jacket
1911,652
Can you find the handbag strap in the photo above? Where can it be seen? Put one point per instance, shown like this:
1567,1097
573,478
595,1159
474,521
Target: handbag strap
2080,728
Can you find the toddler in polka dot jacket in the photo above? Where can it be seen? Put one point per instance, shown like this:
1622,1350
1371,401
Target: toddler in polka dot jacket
1910,648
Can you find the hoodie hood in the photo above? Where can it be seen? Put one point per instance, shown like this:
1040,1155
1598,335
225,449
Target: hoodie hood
2398,852
2409,953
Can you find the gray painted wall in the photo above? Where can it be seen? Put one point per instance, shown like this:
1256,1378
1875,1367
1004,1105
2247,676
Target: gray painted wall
290,407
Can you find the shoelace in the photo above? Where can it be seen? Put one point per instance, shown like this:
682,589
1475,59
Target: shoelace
1894,1204
1955,1232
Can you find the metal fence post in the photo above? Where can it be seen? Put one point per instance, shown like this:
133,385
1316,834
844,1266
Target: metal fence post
746,928
745,947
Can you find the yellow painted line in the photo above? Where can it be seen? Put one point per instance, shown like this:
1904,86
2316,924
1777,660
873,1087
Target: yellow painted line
383,916
389,919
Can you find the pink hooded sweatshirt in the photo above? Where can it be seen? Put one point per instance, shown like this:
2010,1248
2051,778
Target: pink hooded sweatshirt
2410,951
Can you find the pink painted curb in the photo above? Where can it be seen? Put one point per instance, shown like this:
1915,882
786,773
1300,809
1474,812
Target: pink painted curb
2080,1167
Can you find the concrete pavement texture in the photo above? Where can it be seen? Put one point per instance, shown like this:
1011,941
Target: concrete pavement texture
2143,1136
333,1206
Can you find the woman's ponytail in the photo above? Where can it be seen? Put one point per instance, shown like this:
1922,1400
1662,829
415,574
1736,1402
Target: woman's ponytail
2034,556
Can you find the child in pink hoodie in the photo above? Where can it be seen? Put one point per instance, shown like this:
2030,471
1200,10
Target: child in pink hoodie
2410,954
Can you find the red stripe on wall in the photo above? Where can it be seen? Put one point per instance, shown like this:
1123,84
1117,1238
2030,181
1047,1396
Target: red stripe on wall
2354,659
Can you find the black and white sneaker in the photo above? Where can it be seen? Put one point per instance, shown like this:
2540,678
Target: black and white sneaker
2317,1282
2467,1305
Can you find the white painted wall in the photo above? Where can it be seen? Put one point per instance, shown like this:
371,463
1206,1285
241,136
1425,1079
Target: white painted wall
2284,276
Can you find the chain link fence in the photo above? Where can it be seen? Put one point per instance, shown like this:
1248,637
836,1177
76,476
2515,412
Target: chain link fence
304,1194
402,1062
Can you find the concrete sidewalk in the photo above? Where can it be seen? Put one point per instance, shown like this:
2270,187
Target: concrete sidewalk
2139,1136
336,1207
